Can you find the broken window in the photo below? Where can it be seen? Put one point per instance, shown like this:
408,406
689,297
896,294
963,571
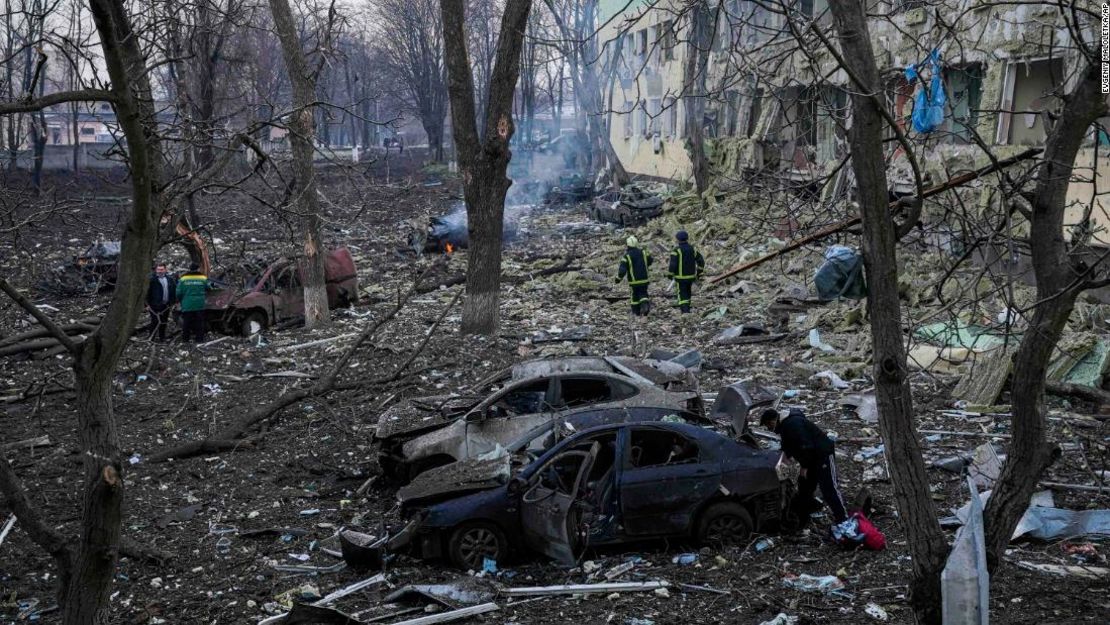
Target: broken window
1029,101
654,109
641,42
732,112
754,112
667,41
965,90
642,118
629,120
670,117
287,279
651,447
583,391
527,399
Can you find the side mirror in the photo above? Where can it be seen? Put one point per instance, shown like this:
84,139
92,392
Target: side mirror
516,486
474,416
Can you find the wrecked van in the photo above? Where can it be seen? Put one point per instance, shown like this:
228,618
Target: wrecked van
608,485
427,432
277,293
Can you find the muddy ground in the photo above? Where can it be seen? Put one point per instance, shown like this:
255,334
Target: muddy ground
302,471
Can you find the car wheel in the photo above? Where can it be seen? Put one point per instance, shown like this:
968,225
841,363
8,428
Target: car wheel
725,524
252,323
472,543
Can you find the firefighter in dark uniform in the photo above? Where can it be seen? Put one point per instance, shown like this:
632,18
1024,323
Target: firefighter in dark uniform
686,266
634,266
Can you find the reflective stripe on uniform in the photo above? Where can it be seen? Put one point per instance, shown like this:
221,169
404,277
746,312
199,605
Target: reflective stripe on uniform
682,275
632,279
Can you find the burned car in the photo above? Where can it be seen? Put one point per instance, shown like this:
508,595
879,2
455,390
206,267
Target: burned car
630,206
568,189
276,293
422,433
608,485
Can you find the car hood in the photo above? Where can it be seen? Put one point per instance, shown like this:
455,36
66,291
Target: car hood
457,478
422,414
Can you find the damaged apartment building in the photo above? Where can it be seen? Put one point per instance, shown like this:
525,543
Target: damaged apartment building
777,109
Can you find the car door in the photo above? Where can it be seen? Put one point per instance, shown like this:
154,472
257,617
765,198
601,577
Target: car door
288,293
507,415
666,476
550,520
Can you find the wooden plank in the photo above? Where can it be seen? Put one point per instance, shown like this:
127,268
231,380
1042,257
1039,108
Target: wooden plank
453,615
584,589
983,384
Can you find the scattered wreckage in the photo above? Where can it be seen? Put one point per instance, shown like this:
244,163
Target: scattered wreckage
426,432
607,485
630,206
275,293
569,188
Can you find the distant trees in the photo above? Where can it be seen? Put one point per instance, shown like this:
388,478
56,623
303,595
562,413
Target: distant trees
410,37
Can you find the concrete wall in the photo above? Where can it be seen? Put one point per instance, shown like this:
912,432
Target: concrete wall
60,157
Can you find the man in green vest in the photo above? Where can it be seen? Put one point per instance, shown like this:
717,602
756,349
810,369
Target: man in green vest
634,267
686,266
191,290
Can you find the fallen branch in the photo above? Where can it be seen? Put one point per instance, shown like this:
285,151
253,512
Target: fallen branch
36,345
15,497
848,223
39,316
331,339
1083,488
427,337
82,325
1086,393
38,441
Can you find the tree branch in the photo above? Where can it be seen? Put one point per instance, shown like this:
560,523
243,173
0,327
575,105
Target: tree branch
15,496
39,316
29,105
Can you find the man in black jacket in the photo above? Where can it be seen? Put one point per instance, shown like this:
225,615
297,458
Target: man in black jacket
634,266
686,266
160,298
812,449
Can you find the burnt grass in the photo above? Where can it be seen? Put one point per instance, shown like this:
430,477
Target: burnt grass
303,467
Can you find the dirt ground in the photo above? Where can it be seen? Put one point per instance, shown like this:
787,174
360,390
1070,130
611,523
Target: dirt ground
304,470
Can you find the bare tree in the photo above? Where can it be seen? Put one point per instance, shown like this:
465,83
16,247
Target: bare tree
303,187
578,29
483,158
411,42
86,573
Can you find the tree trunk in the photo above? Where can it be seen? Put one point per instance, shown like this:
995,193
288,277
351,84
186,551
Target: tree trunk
483,162
1060,279
927,545
86,597
697,60
304,174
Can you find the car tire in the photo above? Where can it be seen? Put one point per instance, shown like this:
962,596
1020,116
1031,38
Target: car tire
471,543
724,524
252,323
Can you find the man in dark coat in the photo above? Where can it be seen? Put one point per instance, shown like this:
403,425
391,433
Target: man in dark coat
634,266
685,267
161,295
812,449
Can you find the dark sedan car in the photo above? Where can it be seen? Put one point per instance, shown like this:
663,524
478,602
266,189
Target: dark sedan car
607,485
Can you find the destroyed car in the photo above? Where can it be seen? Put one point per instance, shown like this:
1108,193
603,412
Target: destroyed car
277,293
630,206
609,485
422,433
568,189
